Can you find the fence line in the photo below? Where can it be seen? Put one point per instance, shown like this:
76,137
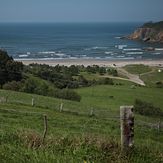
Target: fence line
89,113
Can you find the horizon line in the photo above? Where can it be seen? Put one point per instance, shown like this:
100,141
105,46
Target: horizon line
105,21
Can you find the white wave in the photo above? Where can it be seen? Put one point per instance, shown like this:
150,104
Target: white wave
156,53
120,46
126,58
87,57
132,49
108,52
132,53
23,55
98,47
108,57
50,58
117,37
83,55
120,56
159,49
60,54
28,53
73,57
47,52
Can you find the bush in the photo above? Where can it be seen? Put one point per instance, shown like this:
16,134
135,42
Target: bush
159,84
33,85
14,86
106,81
112,71
145,108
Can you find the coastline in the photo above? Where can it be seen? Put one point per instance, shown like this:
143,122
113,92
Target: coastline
89,62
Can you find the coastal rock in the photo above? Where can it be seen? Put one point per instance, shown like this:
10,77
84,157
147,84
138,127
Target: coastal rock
149,32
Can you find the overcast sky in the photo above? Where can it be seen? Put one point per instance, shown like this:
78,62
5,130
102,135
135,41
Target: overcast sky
80,10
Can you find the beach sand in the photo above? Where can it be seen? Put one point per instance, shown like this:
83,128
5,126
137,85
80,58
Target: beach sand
100,62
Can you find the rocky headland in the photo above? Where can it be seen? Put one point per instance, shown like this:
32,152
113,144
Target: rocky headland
149,32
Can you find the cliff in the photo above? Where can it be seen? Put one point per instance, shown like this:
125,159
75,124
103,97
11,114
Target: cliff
149,32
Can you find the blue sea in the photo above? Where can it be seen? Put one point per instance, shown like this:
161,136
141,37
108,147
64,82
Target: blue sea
49,41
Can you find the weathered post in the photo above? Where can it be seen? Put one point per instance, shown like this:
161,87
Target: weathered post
92,112
127,127
45,128
33,101
159,126
61,107
7,98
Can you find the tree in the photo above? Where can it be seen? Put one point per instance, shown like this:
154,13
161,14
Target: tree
9,69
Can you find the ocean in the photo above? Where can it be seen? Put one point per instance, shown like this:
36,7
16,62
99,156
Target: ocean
48,41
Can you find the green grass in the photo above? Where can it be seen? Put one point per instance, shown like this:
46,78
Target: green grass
73,136
151,78
90,76
137,69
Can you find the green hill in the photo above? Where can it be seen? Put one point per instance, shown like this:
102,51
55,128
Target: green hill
72,134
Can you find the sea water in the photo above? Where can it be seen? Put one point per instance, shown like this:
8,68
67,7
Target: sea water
49,41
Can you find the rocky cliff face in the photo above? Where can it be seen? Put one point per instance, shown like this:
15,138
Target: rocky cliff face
147,34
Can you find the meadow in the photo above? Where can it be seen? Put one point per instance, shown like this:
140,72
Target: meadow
73,135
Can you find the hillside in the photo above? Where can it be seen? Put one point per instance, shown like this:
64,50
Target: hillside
82,106
72,133
149,32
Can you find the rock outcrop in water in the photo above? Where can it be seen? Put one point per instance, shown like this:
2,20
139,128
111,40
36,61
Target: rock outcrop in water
149,32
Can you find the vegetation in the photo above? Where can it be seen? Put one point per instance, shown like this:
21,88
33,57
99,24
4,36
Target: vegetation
73,135
137,69
157,25
146,108
153,79
47,80
9,69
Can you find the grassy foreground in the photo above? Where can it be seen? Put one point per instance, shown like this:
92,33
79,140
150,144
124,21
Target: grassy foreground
74,136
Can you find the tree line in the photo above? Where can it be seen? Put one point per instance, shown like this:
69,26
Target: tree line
58,81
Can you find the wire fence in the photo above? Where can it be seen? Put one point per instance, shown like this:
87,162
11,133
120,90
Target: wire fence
63,108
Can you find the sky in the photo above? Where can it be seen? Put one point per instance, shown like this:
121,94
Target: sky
81,10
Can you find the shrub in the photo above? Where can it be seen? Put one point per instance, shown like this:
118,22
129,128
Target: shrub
145,108
106,81
159,84
102,70
112,71
33,85
14,86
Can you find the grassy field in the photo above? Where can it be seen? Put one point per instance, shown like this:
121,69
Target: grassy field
137,69
151,78
74,136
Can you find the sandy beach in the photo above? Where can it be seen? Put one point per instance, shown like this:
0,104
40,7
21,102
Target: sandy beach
100,62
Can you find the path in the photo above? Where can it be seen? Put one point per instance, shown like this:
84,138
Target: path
131,77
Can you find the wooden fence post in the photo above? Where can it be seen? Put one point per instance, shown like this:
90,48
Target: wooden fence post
127,126
7,98
33,101
61,107
159,125
92,112
45,128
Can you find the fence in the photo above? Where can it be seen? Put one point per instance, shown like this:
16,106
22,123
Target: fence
126,117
